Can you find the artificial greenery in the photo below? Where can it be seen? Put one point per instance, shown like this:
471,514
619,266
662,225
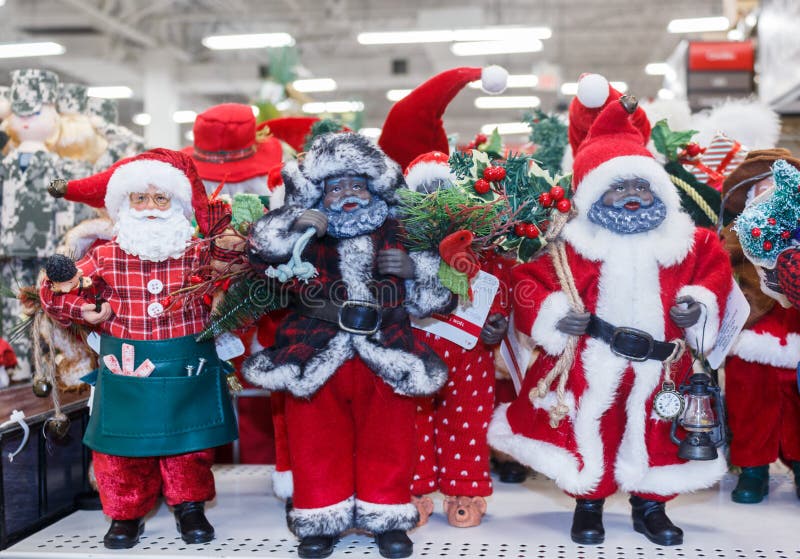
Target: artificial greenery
549,134
668,142
243,303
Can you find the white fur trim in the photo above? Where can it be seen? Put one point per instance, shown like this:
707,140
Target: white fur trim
767,349
551,399
592,90
425,172
710,318
404,371
322,521
379,518
669,243
78,239
494,79
425,294
272,237
544,331
282,484
137,175
276,197
355,264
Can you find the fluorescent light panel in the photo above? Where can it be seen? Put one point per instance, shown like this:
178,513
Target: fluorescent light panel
24,50
453,35
314,85
571,88
666,94
142,119
111,92
699,24
514,80
370,132
506,128
184,117
622,87
397,94
248,41
511,46
508,102
333,107
657,69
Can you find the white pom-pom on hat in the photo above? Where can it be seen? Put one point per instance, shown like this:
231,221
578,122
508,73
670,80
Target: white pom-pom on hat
592,90
494,79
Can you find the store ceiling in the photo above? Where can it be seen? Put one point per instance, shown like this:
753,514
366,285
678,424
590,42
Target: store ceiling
110,42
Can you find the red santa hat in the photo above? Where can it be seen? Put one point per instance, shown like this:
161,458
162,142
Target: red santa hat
426,168
594,94
226,147
171,172
292,129
414,124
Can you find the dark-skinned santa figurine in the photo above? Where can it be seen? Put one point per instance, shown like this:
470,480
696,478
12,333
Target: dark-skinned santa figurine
451,427
161,401
610,309
761,369
345,354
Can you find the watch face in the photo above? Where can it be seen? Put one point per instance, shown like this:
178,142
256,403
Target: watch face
668,404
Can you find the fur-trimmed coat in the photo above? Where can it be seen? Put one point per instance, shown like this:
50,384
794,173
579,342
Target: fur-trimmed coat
308,351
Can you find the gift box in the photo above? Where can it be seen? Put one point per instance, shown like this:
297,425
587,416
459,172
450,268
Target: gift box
717,161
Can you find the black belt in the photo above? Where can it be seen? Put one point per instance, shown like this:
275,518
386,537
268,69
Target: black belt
630,343
356,317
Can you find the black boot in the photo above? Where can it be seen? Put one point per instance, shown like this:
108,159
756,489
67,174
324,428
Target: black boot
394,544
587,522
650,519
752,486
123,534
316,547
190,519
512,472
796,470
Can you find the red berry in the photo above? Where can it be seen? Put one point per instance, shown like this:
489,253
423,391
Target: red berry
482,186
557,193
488,172
531,231
564,206
499,174
166,301
771,221
194,278
480,139
520,229
207,299
767,246
545,199
755,232
693,149
786,234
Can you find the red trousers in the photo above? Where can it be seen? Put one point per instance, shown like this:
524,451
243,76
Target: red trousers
453,454
129,487
352,453
763,413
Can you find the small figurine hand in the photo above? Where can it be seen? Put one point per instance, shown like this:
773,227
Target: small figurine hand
93,317
685,316
395,262
495,328
575,323
312,218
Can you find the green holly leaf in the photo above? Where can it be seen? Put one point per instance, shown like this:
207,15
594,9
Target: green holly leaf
669,142
456,282
528,248
494,146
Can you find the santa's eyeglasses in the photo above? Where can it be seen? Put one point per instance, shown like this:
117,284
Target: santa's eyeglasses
141,198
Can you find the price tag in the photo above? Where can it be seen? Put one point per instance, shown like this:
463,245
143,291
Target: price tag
228,346
737,309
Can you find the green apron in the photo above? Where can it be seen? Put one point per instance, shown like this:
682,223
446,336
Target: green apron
167,412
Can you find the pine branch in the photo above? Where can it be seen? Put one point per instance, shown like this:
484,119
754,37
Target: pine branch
244,302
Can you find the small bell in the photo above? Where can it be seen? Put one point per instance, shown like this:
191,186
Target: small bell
42,387
58,425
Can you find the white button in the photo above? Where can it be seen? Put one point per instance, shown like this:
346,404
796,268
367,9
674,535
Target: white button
155,286
155,309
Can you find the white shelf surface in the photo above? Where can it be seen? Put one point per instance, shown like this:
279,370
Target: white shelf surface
523,521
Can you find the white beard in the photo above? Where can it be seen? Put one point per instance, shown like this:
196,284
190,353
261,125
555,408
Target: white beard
157,239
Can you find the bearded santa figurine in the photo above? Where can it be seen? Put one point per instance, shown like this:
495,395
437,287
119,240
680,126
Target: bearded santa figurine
345,354
161,402
761,369
647,279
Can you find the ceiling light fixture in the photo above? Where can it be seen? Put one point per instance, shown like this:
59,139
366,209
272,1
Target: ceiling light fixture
248,41
314,85
511,46
184,117
506,128
453,35
571,88
508,102
657,69
110,92
370,132
142,119
24,50
333,107
397,94
698,24
514,80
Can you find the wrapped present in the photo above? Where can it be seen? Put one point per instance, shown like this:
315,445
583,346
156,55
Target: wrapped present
716,161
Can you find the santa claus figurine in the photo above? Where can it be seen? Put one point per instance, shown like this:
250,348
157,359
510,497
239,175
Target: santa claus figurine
161,401
345,354
761,370
637,278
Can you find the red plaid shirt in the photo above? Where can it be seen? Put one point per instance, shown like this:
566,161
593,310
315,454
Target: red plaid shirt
122,280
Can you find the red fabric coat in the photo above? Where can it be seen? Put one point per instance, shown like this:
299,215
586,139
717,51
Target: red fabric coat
611,437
